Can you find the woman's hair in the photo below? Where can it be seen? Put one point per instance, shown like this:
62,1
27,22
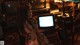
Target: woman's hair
23,12
24,18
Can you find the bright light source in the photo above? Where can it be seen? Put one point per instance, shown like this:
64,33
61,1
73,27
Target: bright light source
46,21
1,42
9,5
54,11
57,1
62,0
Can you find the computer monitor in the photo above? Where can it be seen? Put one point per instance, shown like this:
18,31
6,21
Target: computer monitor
46,21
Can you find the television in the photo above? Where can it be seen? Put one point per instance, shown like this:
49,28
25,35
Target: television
46,21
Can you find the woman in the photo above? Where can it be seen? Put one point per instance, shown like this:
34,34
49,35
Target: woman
29,33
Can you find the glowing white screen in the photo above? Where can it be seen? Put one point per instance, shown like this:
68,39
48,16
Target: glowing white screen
46,21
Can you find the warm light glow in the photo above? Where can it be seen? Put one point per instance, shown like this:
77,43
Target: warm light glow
67,14
47,5
42,6
57,1
61,0
79,5
47,0
54,11
68,0
42,0
59,15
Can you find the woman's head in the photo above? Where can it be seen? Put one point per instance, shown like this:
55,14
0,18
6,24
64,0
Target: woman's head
25,10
